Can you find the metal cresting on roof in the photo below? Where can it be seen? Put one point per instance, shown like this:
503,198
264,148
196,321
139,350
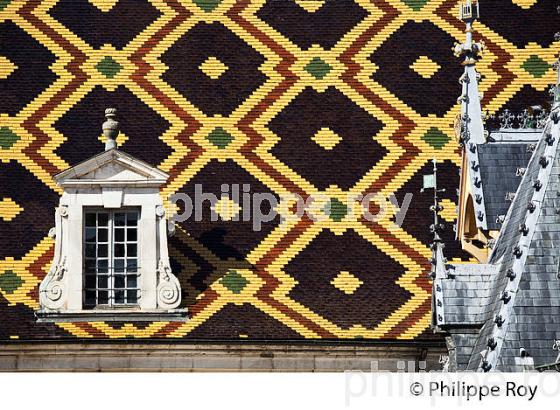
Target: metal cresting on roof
265,83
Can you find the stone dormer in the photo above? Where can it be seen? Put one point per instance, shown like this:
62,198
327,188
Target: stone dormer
111,260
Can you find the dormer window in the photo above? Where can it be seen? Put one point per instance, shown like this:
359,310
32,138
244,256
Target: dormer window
111,260
111,271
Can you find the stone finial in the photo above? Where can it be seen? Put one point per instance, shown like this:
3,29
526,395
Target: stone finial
110,128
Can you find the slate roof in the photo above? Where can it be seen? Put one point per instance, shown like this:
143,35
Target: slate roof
467,293
499,163
514,300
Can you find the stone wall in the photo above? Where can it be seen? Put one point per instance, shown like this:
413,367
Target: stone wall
215,357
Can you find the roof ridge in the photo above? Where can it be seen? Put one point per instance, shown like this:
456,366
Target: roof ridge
472,130
472,134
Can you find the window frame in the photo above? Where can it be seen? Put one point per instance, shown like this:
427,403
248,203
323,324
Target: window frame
111,235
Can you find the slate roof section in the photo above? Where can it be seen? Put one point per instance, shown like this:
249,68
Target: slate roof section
527,302
466,298
466,293
498,166
516,135
509,233
460,345
536,321
504,356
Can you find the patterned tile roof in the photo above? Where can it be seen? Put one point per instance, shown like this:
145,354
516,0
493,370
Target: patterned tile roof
236,92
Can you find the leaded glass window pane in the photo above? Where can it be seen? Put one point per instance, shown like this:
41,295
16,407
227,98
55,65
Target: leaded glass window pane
111,258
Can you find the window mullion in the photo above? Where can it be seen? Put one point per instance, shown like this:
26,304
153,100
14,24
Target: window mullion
111,260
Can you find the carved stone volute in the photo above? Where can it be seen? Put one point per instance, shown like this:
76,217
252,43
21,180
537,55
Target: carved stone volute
168,287
52,290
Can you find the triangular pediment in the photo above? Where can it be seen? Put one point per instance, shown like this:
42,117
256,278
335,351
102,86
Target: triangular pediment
111,167
115,170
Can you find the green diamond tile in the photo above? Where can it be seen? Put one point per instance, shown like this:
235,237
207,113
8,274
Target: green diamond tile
9,282
436,138
416,4
318,68
7,138
207,5
234,282
336,210
220,137
108,67
535,66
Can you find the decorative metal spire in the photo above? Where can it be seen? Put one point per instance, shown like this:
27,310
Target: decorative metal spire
438,260
469,51
110,129
472,133
469,12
